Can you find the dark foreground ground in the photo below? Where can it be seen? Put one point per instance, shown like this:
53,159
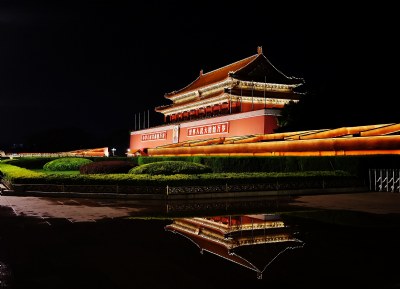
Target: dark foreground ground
351,241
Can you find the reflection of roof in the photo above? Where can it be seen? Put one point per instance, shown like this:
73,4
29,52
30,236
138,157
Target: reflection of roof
229,224
253,247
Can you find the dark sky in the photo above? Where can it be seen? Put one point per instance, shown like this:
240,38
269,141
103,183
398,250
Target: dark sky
93,65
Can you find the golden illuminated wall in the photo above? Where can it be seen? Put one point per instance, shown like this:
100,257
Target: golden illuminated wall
302,144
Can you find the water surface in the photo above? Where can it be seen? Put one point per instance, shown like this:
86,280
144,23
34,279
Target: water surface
330,248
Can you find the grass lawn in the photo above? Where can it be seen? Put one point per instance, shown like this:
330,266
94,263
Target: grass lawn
57,172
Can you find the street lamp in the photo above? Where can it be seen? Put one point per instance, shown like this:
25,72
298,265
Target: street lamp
113,151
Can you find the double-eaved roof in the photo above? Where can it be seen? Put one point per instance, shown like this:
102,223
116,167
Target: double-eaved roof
254,68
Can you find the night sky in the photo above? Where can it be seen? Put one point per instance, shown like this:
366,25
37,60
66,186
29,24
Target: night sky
85,68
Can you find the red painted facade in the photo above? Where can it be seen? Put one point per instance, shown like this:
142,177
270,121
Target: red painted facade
248,123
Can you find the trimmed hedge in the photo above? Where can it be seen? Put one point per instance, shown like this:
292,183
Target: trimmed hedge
133,160
107,167
66,164
171,168
148,160
32,163
14,174
17,175
357,165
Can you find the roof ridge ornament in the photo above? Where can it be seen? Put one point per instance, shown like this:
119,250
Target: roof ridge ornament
201,72
259,50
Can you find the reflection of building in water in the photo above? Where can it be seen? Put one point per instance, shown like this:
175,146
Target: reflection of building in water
253,241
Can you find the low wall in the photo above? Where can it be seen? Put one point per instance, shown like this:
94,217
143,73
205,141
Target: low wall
188,192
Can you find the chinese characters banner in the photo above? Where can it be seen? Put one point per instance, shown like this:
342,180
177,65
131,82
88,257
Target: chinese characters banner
213,128
154,136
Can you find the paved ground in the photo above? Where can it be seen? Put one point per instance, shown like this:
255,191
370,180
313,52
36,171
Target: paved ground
81,209
371,202
74,210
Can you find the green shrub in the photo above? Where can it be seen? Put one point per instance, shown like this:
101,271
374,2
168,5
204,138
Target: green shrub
170,168
16,174
147,160
66,164
32,163
221,164
107,167
133,160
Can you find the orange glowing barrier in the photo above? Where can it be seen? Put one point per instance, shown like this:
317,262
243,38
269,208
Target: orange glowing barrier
281,136
300,135
387,129
207,142
173,145
358,140
339,132
329,146
96,152
248,139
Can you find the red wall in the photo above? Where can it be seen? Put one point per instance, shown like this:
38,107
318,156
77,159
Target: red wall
254,122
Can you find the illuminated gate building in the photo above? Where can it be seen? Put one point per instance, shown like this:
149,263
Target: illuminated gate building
242,98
